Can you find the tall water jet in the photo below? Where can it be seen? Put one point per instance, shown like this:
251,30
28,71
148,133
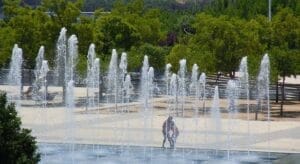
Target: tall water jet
167,77
123,72
14,77
244,86
96,72
174,93
145,83
194,87
113,78
202,96
60,61
182,83
146,93
263,90
128,89
202,90
37,82
70,126
232,96
194,93
43,76
90,80
71,59
39,61
216,118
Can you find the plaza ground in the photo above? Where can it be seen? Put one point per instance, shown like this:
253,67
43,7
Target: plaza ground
129,125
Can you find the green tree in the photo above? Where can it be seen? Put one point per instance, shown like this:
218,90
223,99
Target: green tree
7,40
285,47
16,143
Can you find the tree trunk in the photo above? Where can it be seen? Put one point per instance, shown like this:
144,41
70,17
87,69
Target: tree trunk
277,90
282,96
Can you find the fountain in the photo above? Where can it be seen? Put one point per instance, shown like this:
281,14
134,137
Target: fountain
216,119
37,83
194,93
182,83
70,124
71,59
43,75
61,55
123,72
167,77
263,91
92,79
112,84
127,128
232,96
14,77
244,86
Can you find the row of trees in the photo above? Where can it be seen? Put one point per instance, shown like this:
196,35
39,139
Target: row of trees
215,38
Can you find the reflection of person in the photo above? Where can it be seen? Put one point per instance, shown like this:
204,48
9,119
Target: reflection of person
170,131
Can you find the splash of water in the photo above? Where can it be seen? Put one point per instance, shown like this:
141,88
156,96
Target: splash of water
14,77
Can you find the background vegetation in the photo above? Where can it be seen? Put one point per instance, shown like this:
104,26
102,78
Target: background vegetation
215,34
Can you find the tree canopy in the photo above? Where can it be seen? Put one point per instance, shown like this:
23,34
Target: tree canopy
215,34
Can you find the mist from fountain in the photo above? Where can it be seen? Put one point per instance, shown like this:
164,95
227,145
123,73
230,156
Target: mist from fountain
216,119
244,89
174,94
232,97
14,77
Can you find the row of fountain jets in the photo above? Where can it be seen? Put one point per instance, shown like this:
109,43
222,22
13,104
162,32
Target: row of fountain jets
119,87
118,82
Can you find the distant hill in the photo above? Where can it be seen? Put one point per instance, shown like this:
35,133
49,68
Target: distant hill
92,5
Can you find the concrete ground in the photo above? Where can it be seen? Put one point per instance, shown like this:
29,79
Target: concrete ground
130,125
